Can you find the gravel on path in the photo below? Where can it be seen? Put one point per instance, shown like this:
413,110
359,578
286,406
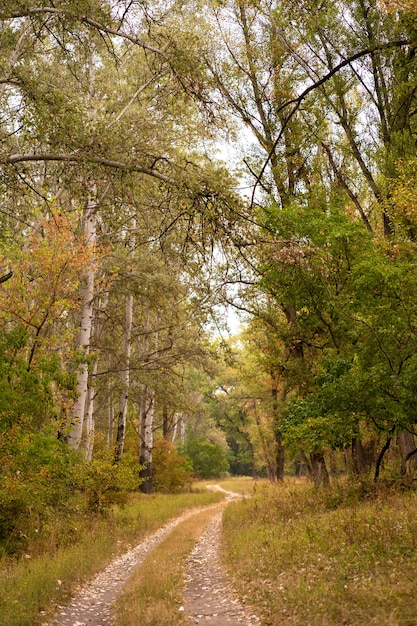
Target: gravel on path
209,599
93,603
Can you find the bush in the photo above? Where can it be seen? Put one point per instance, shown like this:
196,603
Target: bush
171,470
38,474
106,483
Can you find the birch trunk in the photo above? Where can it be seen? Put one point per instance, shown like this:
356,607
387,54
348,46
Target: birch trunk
84,337
86,292
124,396
175,428
110,417
183,424
121,421
91,393
146,415
90,426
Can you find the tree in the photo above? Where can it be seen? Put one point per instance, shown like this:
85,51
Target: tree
36,304
208,458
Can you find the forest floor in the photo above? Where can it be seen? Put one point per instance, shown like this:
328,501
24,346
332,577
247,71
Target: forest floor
209,598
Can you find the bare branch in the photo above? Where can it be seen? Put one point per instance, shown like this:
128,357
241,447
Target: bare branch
319,83
6,277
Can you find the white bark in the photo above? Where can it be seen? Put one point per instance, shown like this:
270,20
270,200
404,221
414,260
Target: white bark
84,337
86,294
183,424
89,411
146,415
90,426
124,396
110,417
121,422
175,428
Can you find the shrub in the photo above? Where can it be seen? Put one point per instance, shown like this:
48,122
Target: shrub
106,483
171,470
38,473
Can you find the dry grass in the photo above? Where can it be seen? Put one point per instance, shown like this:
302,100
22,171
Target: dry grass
325,559
244,485
153,595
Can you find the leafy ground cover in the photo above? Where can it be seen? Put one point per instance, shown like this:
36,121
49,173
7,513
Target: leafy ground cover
31,585
347,555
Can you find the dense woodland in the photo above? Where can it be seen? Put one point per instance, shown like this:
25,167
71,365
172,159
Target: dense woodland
165,163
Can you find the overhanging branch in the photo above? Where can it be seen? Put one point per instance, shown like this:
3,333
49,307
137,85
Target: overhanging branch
74,158
319,83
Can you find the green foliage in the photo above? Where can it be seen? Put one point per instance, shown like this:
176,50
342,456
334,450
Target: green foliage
38,475
106,483
30,397
355,318
171,470
209,460
240,458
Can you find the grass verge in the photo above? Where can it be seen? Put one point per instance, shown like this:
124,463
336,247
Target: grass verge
325,558
152,597
31,586
244,484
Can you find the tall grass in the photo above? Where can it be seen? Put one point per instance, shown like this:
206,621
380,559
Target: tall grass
343,556
31,586
243,484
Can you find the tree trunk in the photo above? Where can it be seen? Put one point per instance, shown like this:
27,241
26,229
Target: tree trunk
359,465
121,422
270,466
381,457
407,447
91,393
319,469
84,337
165,422
86,292
110,420
280,459
303,466
90,426
146,415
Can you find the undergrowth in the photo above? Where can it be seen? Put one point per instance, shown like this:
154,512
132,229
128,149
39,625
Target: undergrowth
345,555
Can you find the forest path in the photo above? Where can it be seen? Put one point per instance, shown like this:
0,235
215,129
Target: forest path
208,598
92,605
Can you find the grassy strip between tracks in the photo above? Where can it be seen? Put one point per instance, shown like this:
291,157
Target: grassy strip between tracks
346,555
153,596
30,587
